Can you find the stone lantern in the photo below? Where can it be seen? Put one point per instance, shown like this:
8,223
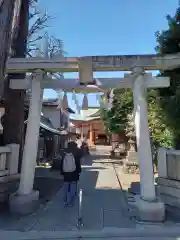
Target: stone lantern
132,146
131,163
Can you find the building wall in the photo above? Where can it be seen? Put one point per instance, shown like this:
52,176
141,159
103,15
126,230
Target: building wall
54,115
97,125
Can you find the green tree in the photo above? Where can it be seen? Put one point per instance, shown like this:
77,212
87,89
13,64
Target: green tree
116,119
161,133
169,98
163,104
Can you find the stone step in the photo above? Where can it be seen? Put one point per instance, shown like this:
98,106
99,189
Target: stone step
151,232
3,187
4,173
4,192
168,182
173,213
4,197
6,188
170,200
171,191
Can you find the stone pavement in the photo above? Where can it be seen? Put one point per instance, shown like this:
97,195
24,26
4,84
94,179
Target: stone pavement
104,203
103,207
105,212
152,233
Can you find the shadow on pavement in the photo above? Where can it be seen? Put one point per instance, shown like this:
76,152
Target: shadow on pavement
93,168
100,156
102,206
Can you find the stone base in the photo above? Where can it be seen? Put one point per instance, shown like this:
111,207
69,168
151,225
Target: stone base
131,168
150,211
169,191
132,156
131,164
24,204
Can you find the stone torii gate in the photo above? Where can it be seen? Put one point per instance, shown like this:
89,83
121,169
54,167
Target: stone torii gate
150,208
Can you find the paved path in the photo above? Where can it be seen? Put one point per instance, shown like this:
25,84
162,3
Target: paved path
104,205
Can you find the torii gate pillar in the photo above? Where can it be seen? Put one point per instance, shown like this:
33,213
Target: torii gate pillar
26,199
150,208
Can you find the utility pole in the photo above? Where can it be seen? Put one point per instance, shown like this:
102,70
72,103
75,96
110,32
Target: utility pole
6,16
14,99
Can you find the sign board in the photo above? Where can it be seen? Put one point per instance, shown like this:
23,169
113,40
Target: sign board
123,63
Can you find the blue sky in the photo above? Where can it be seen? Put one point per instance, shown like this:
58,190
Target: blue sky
104,27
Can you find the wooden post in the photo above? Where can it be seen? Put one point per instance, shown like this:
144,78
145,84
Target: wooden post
6,16
91,136
14,117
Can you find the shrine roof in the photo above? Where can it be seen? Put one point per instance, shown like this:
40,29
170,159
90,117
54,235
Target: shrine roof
46,124
86,115
54,102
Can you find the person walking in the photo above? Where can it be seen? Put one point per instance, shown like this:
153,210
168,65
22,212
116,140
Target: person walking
70,169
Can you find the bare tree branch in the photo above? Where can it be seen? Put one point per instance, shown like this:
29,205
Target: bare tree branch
38,22
32,2
56,50
56,47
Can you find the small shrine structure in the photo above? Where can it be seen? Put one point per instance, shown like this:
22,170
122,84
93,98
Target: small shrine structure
89,125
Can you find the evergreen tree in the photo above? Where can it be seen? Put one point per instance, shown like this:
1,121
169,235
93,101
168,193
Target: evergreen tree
116,119
163,103
169,98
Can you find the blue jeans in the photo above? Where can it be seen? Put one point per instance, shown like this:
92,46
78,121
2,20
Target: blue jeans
70,190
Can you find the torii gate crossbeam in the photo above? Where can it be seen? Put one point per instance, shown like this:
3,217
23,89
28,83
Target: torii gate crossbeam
99,63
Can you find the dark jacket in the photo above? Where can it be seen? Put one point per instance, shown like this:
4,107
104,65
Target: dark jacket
72,176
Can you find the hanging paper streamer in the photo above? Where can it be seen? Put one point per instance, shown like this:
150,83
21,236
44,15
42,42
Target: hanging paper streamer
46,46
110,99
100,100
74,98
65,102
85,102
60,98
103,101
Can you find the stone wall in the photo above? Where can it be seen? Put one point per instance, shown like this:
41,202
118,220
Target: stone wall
173,165
169,176
9,157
